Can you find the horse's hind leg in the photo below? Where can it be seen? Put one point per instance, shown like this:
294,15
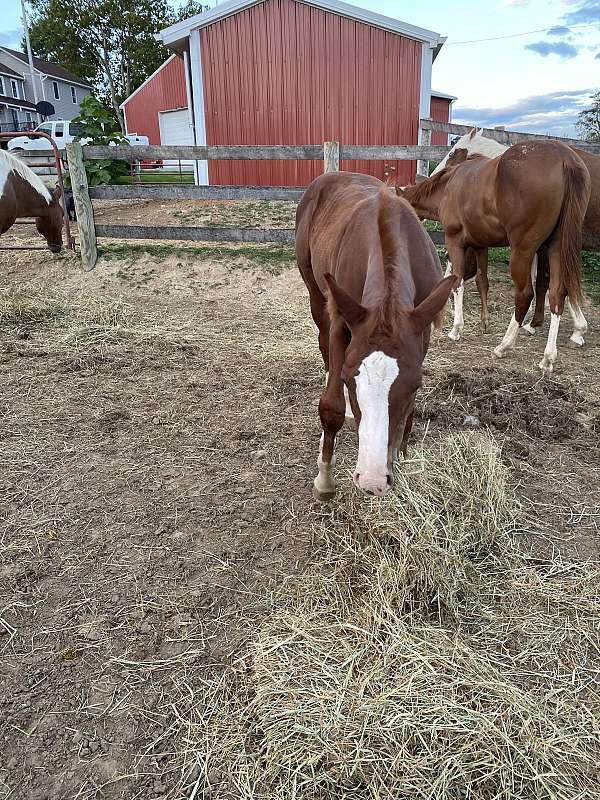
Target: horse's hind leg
557,296
483,285
580,325
520,270
541,269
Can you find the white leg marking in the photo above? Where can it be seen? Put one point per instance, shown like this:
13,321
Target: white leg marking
550,353
459,322
349,415
324,482
510,337
580,325
375,377
326,378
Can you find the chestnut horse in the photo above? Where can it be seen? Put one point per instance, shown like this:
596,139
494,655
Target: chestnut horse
375,286
476,143
23,194
533,195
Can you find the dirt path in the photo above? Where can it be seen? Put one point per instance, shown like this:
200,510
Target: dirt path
158,435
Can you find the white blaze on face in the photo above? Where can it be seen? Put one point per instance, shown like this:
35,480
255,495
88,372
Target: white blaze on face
375,377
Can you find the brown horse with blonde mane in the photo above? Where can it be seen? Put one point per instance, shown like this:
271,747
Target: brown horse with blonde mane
533,196
375,286
23,194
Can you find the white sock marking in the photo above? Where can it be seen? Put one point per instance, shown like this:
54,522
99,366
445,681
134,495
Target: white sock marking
580,325
510,337
375,377
459,321
551,352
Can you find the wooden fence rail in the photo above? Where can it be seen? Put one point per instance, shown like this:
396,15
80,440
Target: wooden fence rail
502,136
331,153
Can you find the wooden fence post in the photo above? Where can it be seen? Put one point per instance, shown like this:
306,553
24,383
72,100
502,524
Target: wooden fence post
83,206
331,157
425,141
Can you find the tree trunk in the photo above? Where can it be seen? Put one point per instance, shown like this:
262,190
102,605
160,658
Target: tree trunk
111,88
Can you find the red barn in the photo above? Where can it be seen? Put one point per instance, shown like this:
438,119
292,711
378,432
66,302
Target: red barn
440,111
262,72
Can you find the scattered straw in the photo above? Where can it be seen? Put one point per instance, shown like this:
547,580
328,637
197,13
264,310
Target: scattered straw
424,659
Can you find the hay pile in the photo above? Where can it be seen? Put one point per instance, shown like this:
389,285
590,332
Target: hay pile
429,661
424,659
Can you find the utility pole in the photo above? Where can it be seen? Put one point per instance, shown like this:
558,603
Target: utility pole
29,54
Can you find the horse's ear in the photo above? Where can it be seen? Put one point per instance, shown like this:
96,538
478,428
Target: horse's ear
352,313
56,192
429,310
473,133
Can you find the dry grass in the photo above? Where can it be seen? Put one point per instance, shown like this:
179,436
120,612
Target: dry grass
425,658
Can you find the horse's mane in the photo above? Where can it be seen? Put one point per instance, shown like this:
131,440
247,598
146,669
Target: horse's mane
389,311
9,163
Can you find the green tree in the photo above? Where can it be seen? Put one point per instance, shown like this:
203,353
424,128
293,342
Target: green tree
97,126
588,121
110,43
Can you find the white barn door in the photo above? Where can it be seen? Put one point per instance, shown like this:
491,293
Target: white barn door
175,129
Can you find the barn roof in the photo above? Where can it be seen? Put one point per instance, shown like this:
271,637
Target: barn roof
176,35
443,95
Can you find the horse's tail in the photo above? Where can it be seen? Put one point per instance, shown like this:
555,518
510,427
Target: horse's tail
575,201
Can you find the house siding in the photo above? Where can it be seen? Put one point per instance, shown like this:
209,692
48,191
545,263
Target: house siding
64,108
283,72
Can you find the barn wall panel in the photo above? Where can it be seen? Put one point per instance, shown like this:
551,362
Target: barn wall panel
163,92
440,112
283,72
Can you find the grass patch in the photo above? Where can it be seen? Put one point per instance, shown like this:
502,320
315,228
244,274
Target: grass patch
241,214
273,258
424,657
156,177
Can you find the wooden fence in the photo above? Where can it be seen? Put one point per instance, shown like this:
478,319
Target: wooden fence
331,153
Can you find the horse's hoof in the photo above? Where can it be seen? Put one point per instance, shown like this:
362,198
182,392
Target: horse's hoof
528,329
499,352
576,340
323,497
547,367
454,334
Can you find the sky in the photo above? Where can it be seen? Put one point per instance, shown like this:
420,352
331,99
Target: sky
535,71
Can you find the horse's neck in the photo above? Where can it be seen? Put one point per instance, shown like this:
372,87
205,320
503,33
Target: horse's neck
29,201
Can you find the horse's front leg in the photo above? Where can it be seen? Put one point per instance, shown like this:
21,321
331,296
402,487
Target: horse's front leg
332,408
456,266
520,270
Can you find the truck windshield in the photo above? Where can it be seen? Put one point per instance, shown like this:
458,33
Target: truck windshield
74,129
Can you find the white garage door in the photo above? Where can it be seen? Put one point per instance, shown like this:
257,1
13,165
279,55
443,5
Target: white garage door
175,129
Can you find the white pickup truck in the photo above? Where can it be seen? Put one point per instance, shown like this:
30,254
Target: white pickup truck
63,132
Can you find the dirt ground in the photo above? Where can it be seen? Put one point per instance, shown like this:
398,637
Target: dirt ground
158,440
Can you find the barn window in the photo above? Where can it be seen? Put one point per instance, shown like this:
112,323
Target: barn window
73,94
56,92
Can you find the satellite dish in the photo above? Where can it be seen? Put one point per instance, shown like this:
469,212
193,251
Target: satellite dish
44,108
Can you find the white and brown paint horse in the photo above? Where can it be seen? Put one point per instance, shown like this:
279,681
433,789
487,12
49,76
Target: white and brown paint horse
475,143
535,194
23,194
375,286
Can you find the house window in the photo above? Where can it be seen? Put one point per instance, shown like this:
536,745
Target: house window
1,85
73,94
28,116
14,87
55,89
